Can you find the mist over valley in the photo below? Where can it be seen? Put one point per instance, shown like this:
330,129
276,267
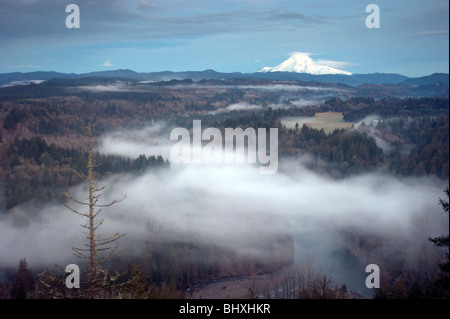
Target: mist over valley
358,182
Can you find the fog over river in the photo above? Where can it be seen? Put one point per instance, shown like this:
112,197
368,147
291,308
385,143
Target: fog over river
232,205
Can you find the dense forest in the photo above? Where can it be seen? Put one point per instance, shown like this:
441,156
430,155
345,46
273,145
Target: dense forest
32,169
42,143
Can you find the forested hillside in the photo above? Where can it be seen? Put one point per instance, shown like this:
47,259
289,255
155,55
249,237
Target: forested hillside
42,143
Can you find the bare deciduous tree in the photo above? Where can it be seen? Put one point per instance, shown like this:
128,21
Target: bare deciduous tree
97,276
97,250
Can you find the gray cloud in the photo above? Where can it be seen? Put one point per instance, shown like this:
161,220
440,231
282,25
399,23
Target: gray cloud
431,33
44,21
151,140
104,20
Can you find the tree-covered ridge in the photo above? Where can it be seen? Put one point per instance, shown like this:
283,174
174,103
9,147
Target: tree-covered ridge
340,153
42,142
356,109
420,146
33,169
413,145
417,137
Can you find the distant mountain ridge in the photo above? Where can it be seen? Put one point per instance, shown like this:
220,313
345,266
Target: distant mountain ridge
9,79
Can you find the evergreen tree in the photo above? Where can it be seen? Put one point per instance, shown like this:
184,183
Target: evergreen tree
137,286
23,282
442,241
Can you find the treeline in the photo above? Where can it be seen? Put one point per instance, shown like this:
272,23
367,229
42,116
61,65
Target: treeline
170,269
188,263
418,146
33,169
356,109
66,116
72,87
412,147
339,153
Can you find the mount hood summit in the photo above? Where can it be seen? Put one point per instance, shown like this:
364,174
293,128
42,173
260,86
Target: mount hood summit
300,62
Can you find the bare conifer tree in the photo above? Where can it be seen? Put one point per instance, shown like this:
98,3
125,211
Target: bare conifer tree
98,277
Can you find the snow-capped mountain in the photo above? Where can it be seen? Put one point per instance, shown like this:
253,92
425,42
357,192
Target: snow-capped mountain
300,62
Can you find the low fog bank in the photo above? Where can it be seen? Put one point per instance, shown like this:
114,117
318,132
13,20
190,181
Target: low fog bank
232,206
149,140
237,107
235,207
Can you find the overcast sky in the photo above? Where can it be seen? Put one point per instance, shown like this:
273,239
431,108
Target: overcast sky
225,35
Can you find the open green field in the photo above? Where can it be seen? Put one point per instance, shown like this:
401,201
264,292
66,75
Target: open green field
329,121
